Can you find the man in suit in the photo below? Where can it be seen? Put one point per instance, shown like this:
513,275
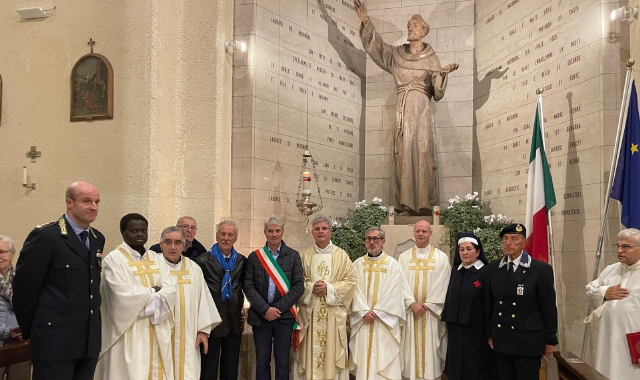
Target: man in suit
524,317
273,298
192,247
57,290
224,269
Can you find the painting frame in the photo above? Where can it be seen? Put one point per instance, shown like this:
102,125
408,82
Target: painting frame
91,88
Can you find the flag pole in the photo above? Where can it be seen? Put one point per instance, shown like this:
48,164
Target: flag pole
552,251
607,198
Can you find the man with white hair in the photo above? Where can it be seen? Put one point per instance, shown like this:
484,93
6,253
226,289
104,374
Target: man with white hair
329,284
194,312
615,296
224,269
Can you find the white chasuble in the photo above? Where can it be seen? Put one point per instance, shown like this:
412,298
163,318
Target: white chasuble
136,321
194,312
375,347
323,352
616,319
424,338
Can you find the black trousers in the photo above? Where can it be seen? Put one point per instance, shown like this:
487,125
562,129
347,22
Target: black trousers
276,335
229,346
76,369
514,367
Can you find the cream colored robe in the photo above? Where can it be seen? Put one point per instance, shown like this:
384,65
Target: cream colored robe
616,319
194,312
136,347
323,352
424,338
375,347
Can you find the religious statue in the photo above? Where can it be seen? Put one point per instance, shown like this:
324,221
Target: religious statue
413,180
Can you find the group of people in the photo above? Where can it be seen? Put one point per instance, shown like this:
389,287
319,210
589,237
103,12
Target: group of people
177,310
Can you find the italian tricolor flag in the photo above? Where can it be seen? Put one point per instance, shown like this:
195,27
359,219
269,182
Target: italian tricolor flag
540,196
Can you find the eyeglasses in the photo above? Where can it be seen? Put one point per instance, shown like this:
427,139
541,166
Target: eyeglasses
372,239
188,227
3,252
177,243
623,247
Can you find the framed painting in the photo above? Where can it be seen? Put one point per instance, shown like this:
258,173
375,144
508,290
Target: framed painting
92,88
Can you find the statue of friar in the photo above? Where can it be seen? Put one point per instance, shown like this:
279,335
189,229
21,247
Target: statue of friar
413,179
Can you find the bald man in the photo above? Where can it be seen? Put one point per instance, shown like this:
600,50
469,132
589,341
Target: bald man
56,290
427,271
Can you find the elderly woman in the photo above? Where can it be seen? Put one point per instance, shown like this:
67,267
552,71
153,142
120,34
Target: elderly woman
468,354
8,324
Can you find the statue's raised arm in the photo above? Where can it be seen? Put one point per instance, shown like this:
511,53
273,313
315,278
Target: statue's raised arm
361,11
419,77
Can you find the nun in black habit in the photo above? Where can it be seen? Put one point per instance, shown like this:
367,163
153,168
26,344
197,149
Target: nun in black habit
469,356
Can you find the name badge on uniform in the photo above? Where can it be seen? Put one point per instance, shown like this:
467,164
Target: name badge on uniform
520,290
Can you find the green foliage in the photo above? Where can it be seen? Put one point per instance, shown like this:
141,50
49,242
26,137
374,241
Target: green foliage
350,237
466,215
491,242
349,240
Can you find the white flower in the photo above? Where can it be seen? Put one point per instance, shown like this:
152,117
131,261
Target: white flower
476,230
376,201
475,193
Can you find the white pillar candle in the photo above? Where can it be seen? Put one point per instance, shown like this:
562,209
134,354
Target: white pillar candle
24,175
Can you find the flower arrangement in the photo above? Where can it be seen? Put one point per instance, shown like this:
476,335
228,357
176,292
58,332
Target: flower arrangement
350,234
466,215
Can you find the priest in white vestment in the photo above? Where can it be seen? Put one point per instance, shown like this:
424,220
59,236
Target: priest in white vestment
138,294
615,296
194,313
424,337
329,284
377,313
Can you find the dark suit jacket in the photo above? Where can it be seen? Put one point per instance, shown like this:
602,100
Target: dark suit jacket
256,286
231,309
521,324
56,292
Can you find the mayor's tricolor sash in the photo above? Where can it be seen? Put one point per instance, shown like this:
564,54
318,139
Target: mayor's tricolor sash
280,280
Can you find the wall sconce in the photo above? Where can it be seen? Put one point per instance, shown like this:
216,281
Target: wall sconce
34,12
31,185
234,45
625,14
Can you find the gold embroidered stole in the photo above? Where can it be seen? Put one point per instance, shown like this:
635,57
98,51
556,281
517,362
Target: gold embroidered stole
181,283
373,268
320,314
144,271
420,267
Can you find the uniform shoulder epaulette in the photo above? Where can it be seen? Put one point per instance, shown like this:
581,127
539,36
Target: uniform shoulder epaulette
41,226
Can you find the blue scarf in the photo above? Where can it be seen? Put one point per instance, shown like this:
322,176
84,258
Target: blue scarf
227,266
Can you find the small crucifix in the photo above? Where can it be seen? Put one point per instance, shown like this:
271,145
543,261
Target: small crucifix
91,43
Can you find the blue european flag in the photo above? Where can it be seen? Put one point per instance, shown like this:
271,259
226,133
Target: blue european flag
626,185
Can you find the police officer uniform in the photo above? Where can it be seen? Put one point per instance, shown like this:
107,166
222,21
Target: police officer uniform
57,299
524,317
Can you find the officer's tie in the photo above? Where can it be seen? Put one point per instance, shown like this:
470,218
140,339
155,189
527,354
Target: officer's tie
83,238
511,269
